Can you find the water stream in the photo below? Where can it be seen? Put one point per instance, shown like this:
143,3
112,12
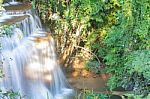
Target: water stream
30,62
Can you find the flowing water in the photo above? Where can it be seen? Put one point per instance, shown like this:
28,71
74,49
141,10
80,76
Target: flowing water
30,62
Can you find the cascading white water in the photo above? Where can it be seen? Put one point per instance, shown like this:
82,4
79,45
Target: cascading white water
12,2
28,25
30,63
32,69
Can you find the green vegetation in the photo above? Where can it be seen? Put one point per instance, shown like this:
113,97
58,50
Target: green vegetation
6,30
88,94
116,32
9,95
128,47
79,24
1,1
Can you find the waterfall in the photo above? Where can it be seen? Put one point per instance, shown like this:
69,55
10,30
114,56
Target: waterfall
30,62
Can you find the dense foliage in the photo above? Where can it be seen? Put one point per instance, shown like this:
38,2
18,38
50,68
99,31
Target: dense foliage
115,32
78,25
128,45
90,94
